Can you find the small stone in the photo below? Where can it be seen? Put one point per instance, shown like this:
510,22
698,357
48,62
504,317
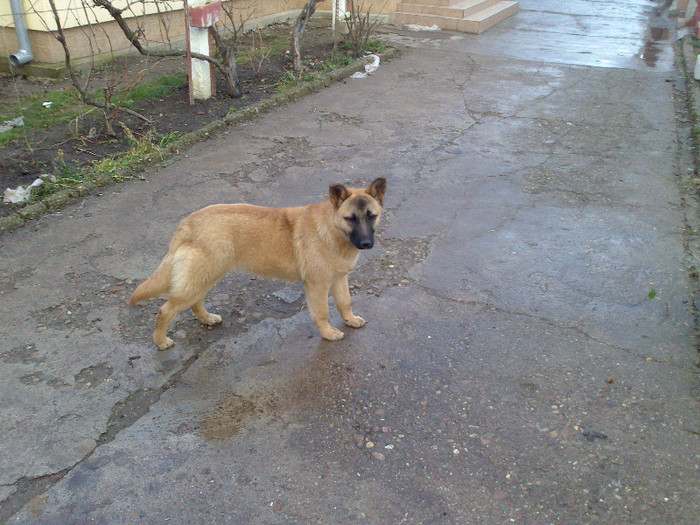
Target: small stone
378,455
500,495
369,444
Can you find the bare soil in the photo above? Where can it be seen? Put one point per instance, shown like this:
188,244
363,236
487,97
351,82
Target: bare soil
23,160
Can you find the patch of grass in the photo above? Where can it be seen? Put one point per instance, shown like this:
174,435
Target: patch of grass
64,106
375,46
161,87
168,139
288,80
313,69
67,177
249,54
139,147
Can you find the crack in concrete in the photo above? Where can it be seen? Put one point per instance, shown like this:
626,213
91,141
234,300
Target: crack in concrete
124,414
132,408
549,322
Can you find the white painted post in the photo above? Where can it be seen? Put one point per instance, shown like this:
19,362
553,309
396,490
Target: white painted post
341,10
199,43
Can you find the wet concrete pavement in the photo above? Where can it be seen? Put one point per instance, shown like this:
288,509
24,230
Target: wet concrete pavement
530,349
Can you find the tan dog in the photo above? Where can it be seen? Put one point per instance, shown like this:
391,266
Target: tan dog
317,244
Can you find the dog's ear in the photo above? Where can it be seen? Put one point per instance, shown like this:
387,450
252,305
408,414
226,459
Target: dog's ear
338,194
377,189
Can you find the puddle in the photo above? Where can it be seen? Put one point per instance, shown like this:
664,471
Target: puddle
651,50
659,33
650,53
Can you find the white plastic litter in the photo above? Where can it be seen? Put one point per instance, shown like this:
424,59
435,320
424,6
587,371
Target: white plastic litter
416,27
369,68
9,124
47,104
22,194
696,73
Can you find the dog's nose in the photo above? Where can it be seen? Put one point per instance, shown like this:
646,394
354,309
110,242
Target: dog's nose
366,244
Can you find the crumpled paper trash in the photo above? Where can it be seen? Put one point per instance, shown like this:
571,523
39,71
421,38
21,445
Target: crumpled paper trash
9,124
21,194
369,68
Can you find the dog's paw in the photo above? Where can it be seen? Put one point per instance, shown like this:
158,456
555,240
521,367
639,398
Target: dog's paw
333,334
211,319
355,321
164,345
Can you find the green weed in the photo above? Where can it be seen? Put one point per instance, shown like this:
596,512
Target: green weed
161,87
288,80
375,46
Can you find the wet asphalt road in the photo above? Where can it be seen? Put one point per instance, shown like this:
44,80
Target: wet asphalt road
530,349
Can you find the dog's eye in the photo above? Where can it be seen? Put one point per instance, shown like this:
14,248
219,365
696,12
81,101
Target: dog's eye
371,216
352,218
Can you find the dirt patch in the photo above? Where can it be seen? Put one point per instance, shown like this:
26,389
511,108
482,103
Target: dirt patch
62,148
227,419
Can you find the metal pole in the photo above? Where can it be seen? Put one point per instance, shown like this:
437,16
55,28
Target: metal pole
24,54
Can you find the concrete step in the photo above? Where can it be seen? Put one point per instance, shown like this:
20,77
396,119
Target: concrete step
474,22
479,22
439,3
460,9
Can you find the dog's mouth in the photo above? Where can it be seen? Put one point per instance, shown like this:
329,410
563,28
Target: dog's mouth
361,243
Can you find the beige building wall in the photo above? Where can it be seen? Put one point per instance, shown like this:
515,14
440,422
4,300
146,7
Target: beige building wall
90,31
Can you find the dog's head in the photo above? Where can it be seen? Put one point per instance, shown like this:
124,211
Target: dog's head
357,211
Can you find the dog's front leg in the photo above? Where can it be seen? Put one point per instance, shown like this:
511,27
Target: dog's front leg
317,298
341,296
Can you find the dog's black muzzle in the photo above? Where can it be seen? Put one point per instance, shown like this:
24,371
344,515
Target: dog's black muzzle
362,237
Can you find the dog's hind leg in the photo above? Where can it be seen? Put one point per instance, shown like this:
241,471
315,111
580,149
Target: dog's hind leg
341,296
187,290
166,315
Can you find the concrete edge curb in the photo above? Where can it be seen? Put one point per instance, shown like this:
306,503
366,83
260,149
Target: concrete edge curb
686,64
687,58
67,196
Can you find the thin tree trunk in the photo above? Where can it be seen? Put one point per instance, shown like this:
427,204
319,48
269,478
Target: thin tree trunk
298,32
229,54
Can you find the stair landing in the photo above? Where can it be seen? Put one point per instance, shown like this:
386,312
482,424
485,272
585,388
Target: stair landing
467,16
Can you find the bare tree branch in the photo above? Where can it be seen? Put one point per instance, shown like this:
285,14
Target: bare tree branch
134,38
84,95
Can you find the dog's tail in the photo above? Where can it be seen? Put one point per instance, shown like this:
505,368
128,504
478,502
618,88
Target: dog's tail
156,284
